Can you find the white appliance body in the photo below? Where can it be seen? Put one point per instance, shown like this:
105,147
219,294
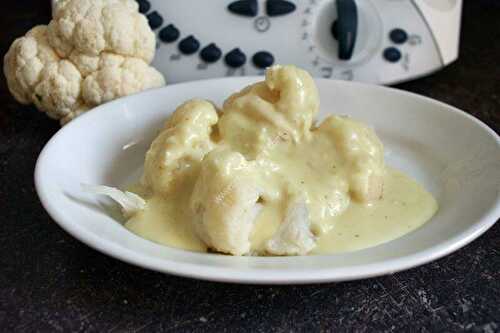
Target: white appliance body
396,40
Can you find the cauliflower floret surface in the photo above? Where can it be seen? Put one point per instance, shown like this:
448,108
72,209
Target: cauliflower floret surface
95,26
58,92
177,151
363,154
119,76
281,108
25,60
224,201
294,236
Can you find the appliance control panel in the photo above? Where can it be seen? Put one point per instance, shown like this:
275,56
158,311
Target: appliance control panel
377,41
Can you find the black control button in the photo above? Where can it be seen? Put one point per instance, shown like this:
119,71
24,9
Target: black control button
155,20
398,36
263,59
210,53
279,7
244,7
169,34
144,6
335,30
235,58
189,45
346,28
392,54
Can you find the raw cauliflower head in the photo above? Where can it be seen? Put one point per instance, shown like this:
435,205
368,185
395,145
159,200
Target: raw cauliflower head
93,51
174,156
94,26
224,202
281,108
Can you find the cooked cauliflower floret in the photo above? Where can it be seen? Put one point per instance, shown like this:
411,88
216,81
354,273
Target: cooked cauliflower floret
281,108
363,154
224,202
294,236
93,51
95,26
298,96
175,154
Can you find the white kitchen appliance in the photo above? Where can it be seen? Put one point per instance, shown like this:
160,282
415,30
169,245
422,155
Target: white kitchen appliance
378,41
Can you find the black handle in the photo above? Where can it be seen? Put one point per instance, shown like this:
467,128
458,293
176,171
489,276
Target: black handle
347,27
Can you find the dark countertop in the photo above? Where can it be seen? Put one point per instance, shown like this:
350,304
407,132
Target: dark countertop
51,282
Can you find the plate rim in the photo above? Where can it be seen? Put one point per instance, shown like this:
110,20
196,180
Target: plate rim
271,276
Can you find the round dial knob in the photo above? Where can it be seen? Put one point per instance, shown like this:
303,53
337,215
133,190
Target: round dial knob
345,28
347,31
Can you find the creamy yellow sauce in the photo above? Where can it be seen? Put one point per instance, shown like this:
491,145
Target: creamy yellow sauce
166,220
404,207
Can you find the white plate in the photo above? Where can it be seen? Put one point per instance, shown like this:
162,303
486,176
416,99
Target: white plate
452,154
